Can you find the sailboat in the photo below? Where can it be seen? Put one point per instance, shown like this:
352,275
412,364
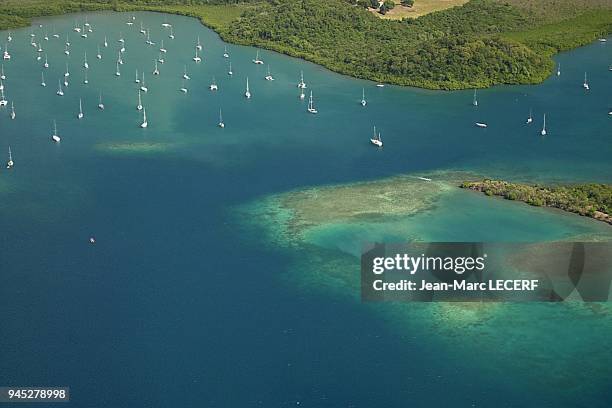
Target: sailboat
230,72
67,50
9,163
136,78
301,84
6,55
543,132
55,35
213,86
160,59
257,60
99,54
139,106
55,137
376,140
46,64
42,80
59,92
559,69
171,35
247,94
165,24
85,64
83,33
101,104
585,85
162,49
85,80
197,57
302,94
225,54
269,76
67,41
80,115
119,59
185,76
67,73
2,76
9,38
143,87
1,85
46,38
149,39
182,88
117,72
530,118
3,101
221,124
105,42
12,111
311,108
39,57
142,29
144,123
121,40
475,101
156,70
198,45
363,100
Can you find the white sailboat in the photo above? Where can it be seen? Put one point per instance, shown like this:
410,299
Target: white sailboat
139,106
2,75
9,38
376,140
225,54
101,104
121,40
185,76
136,78
162,49
481,125
105,42
363,99
142,29
213,85
160,59
83,33
144,123
311,107
229,71
143,86
198,45
67,50
10,163
3,101
99,54
55,137
543,132
67,73
1,85
42,79
46,38
182,88
269,76
119,59
165,24
80,115
12,111
585,84
301,84
197,57
559,69
149,39
475,100
171,35
117,72
257,61
85,64
247,94
302,94
6,55
59,92
67,41
85,80
221,123
530,118
156,69
46,64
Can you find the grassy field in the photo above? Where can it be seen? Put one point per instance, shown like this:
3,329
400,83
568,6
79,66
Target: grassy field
420,8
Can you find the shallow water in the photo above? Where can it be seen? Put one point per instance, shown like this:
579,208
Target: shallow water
179,304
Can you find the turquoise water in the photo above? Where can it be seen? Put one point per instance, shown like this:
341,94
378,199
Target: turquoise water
176,304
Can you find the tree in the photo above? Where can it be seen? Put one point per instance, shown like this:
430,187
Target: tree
386,6
407,3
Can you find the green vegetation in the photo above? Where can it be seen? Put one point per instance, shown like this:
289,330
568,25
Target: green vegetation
479,44
593,200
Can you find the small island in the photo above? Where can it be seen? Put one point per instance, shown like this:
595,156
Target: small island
591,200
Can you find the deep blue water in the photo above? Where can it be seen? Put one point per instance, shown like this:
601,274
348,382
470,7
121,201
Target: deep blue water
174,306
